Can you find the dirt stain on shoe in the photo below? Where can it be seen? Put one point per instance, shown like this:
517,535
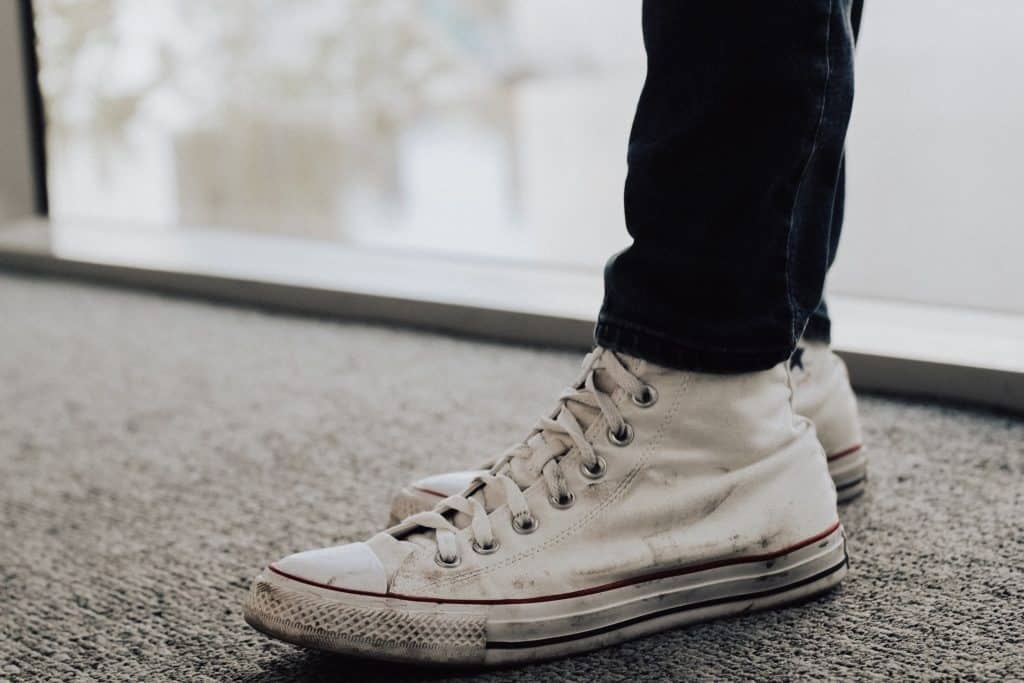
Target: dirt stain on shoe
768,539
716,502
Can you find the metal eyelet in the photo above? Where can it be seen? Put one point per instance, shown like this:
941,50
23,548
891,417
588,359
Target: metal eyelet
563,503
485,549
648,397
456,561
600,467
622,439
527,526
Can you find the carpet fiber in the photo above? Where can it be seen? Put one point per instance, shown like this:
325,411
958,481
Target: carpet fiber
155,453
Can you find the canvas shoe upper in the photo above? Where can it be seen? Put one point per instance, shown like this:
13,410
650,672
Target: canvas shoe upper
821,392
647,498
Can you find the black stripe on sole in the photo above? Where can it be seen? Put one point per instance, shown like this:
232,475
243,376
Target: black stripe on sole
851,484
519,644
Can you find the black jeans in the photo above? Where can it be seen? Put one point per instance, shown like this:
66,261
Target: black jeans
734,196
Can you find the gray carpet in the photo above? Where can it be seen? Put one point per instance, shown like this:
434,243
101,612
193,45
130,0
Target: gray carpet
155,453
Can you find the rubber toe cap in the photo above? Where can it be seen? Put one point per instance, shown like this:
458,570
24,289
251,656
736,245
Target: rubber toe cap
351,567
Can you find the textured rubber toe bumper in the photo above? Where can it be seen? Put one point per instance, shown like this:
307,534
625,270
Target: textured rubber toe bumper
292,614
498,631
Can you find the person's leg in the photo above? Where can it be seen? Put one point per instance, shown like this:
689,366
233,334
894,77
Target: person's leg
822,390
819,326
734,162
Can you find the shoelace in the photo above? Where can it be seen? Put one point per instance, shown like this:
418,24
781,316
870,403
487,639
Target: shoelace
551,439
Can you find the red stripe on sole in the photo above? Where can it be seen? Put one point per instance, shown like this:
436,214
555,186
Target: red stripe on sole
842,454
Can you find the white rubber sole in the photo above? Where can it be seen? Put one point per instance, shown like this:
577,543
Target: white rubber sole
849,470
422,630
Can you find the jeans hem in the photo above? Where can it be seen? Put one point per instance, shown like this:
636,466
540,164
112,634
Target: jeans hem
653,348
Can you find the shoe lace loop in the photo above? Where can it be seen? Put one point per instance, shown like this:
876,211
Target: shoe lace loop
539,455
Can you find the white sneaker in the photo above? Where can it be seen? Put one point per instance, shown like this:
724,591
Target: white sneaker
649,498
821,392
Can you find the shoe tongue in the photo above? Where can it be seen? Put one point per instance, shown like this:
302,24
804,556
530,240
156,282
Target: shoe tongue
390,551
588,415
519,469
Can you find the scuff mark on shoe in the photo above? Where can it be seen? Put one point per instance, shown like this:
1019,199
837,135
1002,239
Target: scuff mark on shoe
716,503
618,565
521,583
767,539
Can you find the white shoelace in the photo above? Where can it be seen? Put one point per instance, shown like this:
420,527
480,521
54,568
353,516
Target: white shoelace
551,439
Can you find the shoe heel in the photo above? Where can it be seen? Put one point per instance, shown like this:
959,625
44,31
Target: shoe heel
849,471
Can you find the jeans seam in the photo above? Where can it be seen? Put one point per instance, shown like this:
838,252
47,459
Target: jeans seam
803,174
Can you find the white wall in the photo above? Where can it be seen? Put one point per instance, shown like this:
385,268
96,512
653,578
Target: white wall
935,210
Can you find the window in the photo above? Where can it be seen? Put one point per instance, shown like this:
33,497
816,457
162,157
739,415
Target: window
471,153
